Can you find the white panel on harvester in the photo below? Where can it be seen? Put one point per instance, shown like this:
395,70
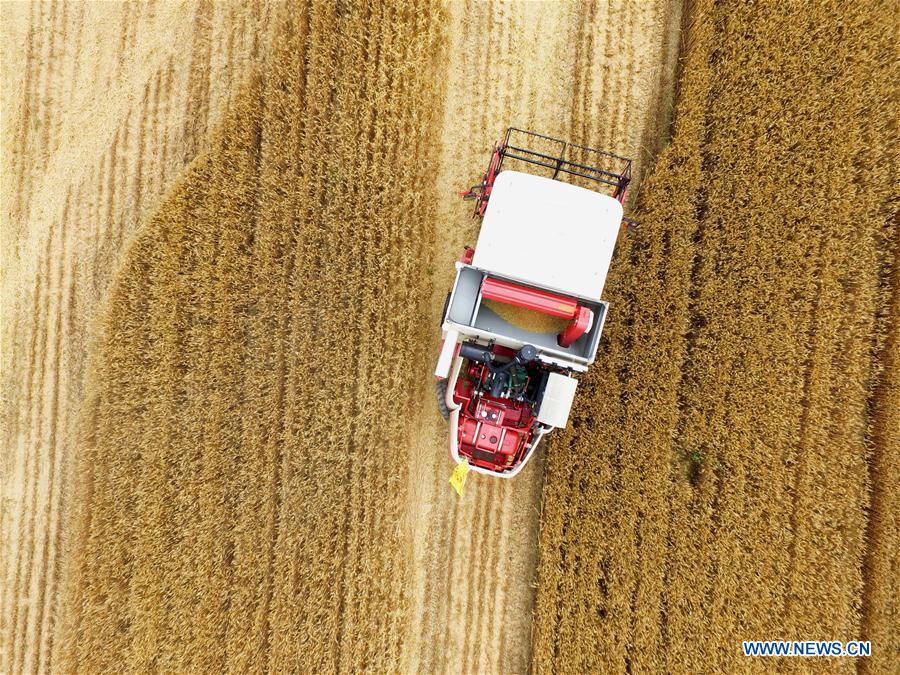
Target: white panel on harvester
557,401
548,233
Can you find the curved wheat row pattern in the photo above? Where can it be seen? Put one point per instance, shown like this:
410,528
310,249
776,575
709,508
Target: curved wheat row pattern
173,537
82,170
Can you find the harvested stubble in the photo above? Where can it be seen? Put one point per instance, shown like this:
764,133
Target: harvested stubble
103,106
598,73
724,454
239,463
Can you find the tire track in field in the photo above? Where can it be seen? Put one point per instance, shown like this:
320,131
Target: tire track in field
26,582
471,588
476,555
22,127
16,571
47,87
48,502
37,376
60,448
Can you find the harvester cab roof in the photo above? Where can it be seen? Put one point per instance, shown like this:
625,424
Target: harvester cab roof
545,245
549,234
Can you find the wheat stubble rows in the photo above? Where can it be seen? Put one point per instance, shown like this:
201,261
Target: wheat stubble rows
100,114
601,74
254,473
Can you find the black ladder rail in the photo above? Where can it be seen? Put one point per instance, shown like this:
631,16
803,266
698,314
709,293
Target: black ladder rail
559,163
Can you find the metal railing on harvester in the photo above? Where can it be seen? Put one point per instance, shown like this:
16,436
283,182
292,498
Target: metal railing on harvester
562,161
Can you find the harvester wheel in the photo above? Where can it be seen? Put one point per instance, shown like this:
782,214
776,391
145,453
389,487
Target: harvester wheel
441,387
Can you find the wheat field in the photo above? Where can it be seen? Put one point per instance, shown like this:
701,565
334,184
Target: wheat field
227,235
103,106
729,471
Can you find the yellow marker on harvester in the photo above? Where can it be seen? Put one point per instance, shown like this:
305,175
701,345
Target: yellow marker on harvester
458,477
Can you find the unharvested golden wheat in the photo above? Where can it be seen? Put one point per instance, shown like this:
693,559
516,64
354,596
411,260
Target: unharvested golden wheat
715,483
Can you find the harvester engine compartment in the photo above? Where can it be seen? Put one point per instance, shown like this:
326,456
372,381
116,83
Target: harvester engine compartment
499,392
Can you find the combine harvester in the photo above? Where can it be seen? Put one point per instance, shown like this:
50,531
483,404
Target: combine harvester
545,245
